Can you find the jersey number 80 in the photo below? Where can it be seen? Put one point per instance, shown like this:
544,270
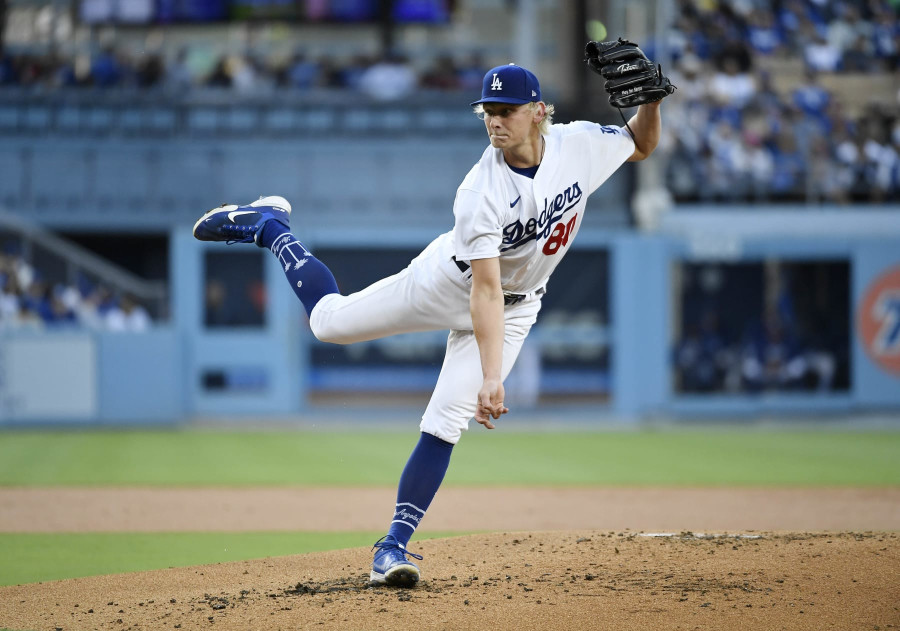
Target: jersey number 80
559,236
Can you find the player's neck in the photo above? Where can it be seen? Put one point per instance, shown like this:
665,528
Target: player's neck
527,155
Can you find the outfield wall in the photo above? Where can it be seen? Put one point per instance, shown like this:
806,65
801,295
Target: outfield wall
193,368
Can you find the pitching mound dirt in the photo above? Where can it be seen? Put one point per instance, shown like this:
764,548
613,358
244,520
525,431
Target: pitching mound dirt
455,509
548,580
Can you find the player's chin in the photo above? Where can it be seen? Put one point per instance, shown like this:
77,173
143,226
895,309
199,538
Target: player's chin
498,141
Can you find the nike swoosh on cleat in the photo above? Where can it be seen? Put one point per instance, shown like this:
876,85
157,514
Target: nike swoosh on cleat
513,204
237,213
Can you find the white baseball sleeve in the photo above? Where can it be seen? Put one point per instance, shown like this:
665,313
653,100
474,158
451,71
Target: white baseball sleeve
479,227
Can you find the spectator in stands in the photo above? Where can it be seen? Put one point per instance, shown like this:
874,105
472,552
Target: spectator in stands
349,75
886,39
728,164
849,164
812,98
688,72
63,75
685,170
858,58
127,316
789,165
215,304
846,28
442,74
8,74
12,267
150,71
789,20
772,357
725,39
247,76
220,77
390,79
178,76
880,157
326,74
87,307
302,72
763,33
9,308
731,87
34,297
702,358
821,56
471,72
760,166
106,70
58,314
823,173
9,291
695,32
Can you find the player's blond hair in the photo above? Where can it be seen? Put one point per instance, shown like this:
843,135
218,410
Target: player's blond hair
543,126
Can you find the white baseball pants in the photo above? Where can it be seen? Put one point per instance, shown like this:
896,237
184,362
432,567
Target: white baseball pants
430,294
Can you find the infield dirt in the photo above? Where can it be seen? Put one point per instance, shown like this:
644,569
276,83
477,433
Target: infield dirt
562,579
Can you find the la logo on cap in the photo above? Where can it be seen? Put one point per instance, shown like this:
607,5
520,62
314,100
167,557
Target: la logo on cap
508,84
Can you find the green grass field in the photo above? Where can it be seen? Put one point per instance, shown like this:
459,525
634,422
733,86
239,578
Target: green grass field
713,457
31,558
39,557
682,458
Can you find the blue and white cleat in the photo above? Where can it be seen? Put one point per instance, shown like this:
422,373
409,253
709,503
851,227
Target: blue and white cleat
241,224
391,567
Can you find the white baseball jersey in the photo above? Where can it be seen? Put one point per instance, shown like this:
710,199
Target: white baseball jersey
530,223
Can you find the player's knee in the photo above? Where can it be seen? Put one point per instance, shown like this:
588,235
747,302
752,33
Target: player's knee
439,427
330,335
322,324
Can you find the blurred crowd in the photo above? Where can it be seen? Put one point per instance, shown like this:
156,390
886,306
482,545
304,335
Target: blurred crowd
734,134
29,301
771,355
385,78
754,327
735,131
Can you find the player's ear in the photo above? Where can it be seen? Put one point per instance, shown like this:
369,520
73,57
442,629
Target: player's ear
540,111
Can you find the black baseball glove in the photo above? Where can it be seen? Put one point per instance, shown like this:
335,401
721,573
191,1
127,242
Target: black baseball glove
631,78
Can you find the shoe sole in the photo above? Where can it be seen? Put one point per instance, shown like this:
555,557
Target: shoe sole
400,576
206,215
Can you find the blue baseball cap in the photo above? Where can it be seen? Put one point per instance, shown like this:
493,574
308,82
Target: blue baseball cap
509,84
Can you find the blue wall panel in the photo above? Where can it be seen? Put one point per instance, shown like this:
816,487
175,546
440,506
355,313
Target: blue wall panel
641,307
262,369
141,376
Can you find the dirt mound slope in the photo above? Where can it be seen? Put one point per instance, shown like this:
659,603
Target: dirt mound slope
542,580
455,509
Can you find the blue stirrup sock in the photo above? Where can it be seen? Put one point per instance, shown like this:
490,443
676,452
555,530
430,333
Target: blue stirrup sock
309,277
419,483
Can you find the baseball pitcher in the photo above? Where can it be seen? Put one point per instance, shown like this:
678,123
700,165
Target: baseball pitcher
517,213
